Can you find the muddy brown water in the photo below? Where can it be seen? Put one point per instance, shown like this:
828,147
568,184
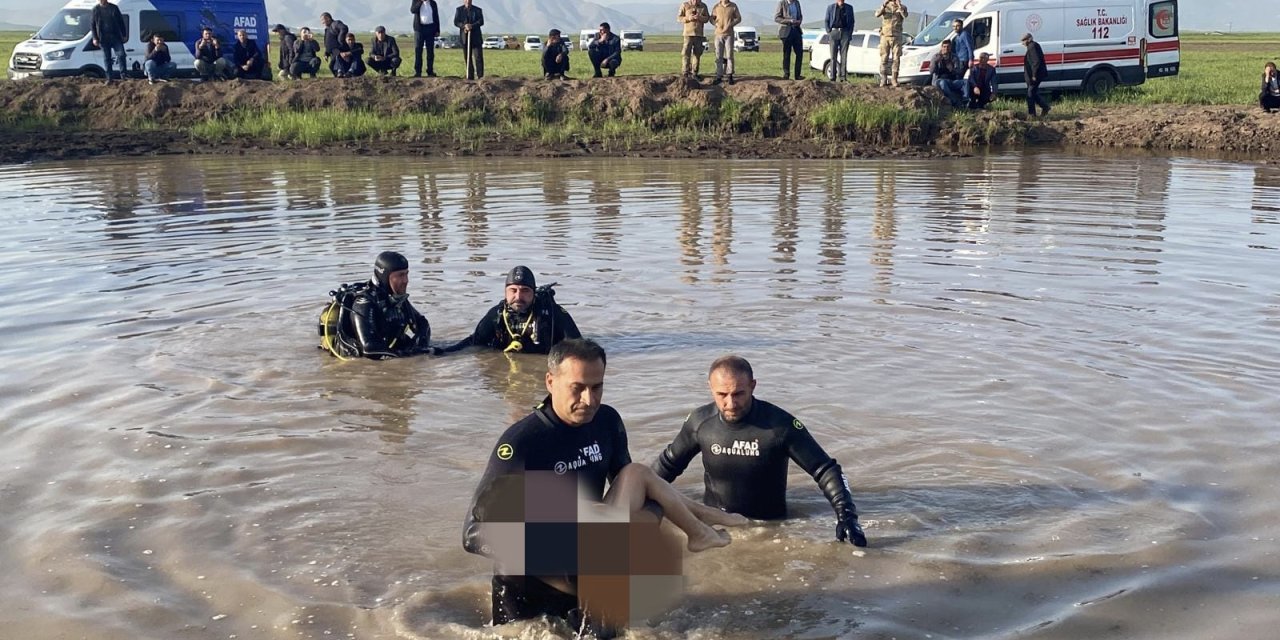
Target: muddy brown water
1050,378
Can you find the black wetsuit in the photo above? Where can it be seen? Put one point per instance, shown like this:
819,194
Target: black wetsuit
379,326
532,479
746,462
544,325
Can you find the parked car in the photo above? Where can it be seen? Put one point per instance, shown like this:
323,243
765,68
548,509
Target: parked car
449,41
864,54
511,42
532,43
492,42
745,39
632,40
810,36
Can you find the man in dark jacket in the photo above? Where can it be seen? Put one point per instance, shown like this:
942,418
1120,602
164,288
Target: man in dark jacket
209,60
468,19
528,320
980,86
287,45
839,23
426,26
555,57
1269,97
605,50
790,16
944,67
335,35
306,55
349,61
1034,71
384,54
247,57
158,64
109,33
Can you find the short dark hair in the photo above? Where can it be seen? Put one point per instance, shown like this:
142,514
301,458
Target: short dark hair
606,26
735,364
326,15
584,349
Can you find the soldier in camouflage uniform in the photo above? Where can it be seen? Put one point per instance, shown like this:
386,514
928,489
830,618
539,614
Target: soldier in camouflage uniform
891,14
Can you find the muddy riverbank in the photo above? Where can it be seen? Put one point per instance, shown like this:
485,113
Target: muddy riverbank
655,116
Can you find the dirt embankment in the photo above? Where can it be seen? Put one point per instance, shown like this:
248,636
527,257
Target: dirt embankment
81,117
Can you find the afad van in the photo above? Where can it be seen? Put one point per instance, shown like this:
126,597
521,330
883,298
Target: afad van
1089,45
64,46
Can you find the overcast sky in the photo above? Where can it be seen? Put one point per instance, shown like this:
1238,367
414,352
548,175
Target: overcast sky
1196,14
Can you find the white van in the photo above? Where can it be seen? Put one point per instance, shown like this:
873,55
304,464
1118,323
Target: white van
745,39
1089,45
64,47
632,40
585,37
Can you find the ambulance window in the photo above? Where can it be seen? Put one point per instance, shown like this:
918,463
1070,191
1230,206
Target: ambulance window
1164,19
980,29
152,22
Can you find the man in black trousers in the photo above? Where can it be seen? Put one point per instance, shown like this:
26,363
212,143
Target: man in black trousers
426,26
1034,71
468,19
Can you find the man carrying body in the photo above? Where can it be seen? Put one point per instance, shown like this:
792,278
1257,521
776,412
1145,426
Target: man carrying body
747,444
247,56
605,50
159,64
426,26
335,35
287,45
528,513
839,24
791,33
379,322
468,19
384,55
555,57
109,33
693,17
980,85
891,14
725,16
528,320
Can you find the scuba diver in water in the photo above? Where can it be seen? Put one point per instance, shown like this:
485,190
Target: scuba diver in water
528,320
374,319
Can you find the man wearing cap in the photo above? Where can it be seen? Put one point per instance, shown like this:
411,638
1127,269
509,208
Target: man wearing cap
426,26
747,446
555,57
384,54
380,322
287,41
1034,72
528,320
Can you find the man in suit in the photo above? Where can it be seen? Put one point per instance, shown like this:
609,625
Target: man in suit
790,17
839,24
426,26
468,19
335,36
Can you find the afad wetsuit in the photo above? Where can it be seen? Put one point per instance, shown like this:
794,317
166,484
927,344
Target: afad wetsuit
537,330
382,325
534,475
746,462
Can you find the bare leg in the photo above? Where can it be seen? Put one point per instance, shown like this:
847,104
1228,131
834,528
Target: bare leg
714,516
636,483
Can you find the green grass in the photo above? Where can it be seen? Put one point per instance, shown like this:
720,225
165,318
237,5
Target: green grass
878,123
8,40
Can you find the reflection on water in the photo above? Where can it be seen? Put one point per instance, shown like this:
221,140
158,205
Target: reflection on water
1049,377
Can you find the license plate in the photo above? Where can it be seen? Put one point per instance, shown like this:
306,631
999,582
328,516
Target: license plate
20,75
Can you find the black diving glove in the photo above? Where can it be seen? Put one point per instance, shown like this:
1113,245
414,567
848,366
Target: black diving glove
847,528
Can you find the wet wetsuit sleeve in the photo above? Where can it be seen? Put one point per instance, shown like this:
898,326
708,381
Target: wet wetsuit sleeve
676,457
565,326
363,311
421,331
825,470
500,496
483,335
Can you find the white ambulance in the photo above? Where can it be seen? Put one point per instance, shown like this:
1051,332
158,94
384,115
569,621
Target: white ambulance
1089,45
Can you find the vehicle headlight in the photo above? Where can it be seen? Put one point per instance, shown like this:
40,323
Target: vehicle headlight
60,54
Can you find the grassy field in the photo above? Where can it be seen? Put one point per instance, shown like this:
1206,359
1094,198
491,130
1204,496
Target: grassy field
1216,69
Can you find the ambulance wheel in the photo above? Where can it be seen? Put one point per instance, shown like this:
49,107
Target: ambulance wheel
1099,83
96,73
